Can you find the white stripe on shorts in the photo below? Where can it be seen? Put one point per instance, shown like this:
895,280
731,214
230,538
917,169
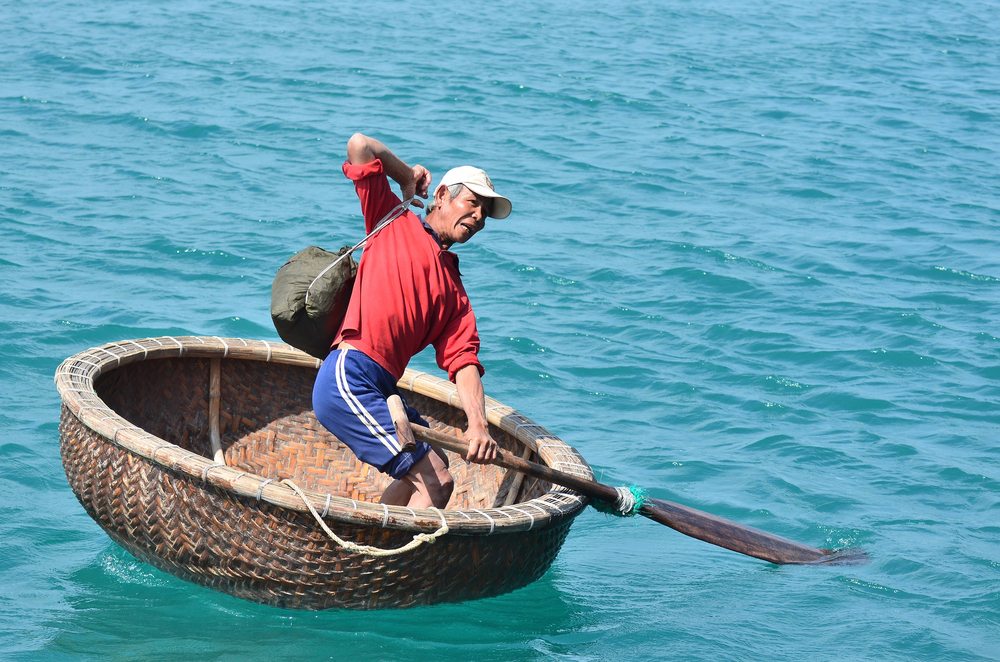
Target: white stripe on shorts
363,414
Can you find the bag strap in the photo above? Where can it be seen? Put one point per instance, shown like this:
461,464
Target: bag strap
391,216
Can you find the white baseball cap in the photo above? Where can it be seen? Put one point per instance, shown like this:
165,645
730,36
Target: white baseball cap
477,181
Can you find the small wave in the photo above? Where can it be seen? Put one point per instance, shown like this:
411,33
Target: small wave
525,345
784,382
186,129
848,402
778,114
129,571
902,358
713,281
966,275
978,116
808,193
68,65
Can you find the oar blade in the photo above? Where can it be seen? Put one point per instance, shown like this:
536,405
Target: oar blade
695,523
845,556
743,539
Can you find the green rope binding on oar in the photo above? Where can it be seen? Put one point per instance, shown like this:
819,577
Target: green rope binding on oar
630,501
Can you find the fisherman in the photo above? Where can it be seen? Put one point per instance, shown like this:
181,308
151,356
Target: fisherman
408,295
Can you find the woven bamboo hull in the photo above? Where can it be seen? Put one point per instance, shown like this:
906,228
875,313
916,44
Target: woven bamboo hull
135,431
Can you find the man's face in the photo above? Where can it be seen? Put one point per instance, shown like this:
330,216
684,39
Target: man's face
461,216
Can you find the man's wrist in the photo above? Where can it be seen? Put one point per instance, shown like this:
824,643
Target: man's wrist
478,425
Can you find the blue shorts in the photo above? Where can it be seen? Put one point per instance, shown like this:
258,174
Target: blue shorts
349,398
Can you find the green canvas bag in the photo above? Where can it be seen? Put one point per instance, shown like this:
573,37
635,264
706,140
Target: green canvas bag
310,292
309,298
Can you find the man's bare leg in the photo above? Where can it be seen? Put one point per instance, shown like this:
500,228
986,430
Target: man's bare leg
401,490
398,493
431,481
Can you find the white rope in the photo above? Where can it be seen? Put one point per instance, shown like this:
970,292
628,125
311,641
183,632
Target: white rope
92,365
536,506
114,437
562,497
260,489
112,355
418,539
626,501
488,518
572,468
531,518
79,412
145,352
225,346
152,456
74,370
326,508
393,214
204,472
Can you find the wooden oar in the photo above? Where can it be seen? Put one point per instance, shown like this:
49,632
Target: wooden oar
690,522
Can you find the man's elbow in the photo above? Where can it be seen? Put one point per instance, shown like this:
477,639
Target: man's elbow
467,369
359,149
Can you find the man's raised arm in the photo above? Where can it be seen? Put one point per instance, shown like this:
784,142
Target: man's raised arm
412,181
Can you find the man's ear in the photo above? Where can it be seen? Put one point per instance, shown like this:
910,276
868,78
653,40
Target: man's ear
441,195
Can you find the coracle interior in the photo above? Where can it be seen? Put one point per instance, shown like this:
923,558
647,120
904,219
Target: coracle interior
268,428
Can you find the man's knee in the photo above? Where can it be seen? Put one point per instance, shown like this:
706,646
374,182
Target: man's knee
440,483
431,475
443,457
445,487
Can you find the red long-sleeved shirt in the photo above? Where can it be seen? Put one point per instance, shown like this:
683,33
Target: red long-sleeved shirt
408,293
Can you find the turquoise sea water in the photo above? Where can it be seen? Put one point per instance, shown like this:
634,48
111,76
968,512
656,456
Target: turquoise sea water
754,266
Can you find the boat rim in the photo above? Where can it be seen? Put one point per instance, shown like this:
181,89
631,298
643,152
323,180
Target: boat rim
75,380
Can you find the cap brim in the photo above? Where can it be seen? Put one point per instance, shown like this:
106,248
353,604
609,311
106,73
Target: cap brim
501,206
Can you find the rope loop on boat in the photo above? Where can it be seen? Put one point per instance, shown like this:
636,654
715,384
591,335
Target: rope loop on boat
630,501
370,550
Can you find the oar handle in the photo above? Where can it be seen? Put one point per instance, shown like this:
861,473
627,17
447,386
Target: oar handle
689,521
510,461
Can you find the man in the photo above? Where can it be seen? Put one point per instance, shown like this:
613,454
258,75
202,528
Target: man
408,295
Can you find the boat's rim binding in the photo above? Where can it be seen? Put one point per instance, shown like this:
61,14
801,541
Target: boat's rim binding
75,378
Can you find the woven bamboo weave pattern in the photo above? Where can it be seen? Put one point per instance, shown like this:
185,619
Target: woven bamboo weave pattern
136,450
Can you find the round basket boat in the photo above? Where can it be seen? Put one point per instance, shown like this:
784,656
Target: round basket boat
140,419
